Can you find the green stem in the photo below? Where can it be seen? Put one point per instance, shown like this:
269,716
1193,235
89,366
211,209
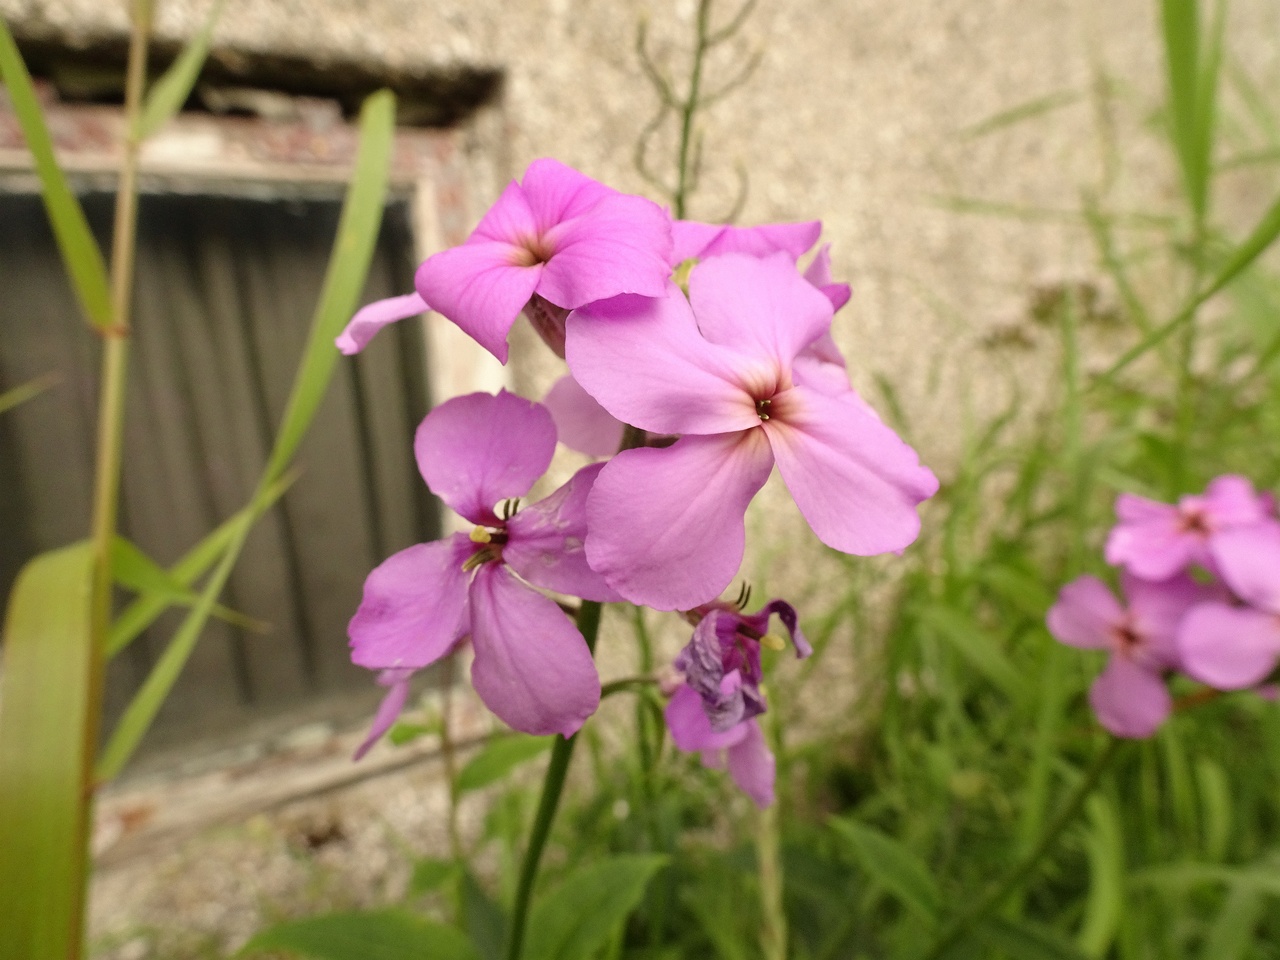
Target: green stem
109,460
1012,880
687,111
552,786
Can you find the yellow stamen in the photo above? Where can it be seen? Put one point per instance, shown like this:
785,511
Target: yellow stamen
480,535
773,642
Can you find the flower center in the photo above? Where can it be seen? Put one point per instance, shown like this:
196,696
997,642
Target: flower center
1127,639
762,409
1194,520
531,252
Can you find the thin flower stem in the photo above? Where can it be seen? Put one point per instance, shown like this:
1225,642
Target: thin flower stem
1011,881
773,916
552,786
108,458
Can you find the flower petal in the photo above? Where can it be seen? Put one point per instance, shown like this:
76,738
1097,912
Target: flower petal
853,478
1085,614
819,274
392,704
532,668
752,766
622,245
759,621
1229,648
690,729
481,286
414,608
762,307
645,361
1128,700
1148,540
1231,501
546,542
373,317
555,193
693,239
1157,609
581,423
666,527
477,450
1249,558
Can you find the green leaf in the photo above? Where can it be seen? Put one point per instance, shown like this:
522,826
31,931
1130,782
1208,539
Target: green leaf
1263,235
44,713
143,611
26,391
1232,932
498,758
484,919
889,863
1026,940
1027,110
348,265
376,935
977,647
1105,902
1180,20
344,278
136,571
170,92
431,874
80,252
1021,589
576,919
1216,807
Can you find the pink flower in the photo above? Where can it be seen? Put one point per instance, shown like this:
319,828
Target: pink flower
1156,540
1234,647
1129,698
699,240
581,423
532,667
556,234
666,525
741,748
554,241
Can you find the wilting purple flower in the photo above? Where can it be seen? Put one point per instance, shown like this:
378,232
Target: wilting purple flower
1233,647
1156,540
694,239
581,423
532,667
1129,697
558,235
667,525
721,662
741,748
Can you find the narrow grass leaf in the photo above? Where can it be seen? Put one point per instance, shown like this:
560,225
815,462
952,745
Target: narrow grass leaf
26,391
1232,933
1263,235
144,610
482,917
1025,940
1105,902
977,647
499,757
170,91
80,252
1180,20
345,276
44,815
1030,109
889,863
1215,808
577,919
375,935
430,874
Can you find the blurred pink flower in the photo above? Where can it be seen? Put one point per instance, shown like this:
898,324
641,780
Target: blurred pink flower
1130,697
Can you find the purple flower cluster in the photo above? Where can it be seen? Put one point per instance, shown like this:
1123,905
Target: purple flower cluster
716,350
1201,585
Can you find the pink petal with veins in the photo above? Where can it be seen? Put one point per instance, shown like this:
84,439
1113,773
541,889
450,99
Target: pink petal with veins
581,423
477,450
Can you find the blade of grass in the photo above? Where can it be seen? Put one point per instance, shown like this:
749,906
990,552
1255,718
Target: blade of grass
43,819
1180,21
170,92
81,254
348,265
1037,107
1263,235
26,391
143,611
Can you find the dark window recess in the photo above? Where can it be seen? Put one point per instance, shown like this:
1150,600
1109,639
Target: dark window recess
223,301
